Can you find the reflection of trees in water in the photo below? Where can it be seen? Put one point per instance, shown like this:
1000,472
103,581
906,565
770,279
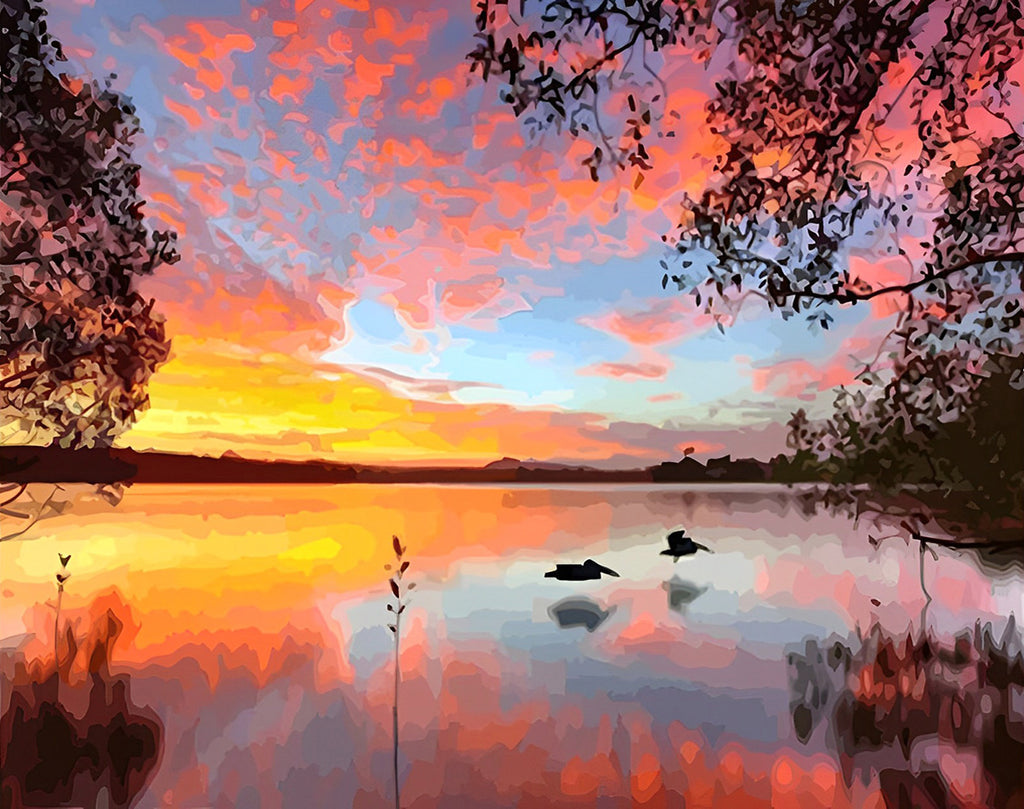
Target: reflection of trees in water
70,733
815,677
948,520
22,505
939,725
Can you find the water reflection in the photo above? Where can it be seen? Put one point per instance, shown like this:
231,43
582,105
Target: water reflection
71,732
816,675
682,593
934,724
579,611
262,646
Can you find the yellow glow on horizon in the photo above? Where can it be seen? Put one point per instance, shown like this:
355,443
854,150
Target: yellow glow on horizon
213,396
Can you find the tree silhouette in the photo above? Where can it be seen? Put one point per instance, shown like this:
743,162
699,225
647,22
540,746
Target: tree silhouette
78,342
886,130
974,450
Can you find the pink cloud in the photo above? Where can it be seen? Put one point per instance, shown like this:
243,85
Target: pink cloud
660,320
485,295
252,310
802,379
626,370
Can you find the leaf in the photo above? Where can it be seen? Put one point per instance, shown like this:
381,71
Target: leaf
392,628
390,608
404,567
394,588
397,545
412,586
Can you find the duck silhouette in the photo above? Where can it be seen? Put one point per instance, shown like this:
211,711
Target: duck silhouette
575,572
679,545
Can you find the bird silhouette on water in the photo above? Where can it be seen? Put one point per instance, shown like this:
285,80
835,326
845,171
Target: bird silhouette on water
679,545
575,572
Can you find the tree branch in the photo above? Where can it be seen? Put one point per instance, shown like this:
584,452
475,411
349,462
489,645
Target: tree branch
852,296
957,544
15,496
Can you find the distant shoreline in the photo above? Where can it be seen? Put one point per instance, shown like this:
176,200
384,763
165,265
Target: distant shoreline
32,464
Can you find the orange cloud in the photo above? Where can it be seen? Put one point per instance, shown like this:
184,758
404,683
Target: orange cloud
284,87
207,48
699,447
251,311
188,114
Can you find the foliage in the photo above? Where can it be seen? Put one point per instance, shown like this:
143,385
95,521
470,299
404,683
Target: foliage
78,342
888,131
975,451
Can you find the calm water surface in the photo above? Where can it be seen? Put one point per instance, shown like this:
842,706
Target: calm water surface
255,628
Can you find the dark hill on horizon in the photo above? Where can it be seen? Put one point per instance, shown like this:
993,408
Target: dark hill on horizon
35,464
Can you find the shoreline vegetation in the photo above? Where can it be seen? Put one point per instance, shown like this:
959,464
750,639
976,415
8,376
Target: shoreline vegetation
39,464
930,515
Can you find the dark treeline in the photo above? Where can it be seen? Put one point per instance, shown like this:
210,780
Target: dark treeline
56,465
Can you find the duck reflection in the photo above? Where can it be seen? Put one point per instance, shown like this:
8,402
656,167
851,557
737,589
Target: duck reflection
579,611
681,593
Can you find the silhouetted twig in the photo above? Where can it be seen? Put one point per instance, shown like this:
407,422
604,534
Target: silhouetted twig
957,544
397,607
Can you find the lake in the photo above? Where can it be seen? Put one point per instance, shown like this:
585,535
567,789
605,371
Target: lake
251,624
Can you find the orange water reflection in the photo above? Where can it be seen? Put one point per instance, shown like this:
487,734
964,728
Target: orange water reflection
260,640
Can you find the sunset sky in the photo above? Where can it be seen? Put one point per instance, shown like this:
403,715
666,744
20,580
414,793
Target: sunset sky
379,265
